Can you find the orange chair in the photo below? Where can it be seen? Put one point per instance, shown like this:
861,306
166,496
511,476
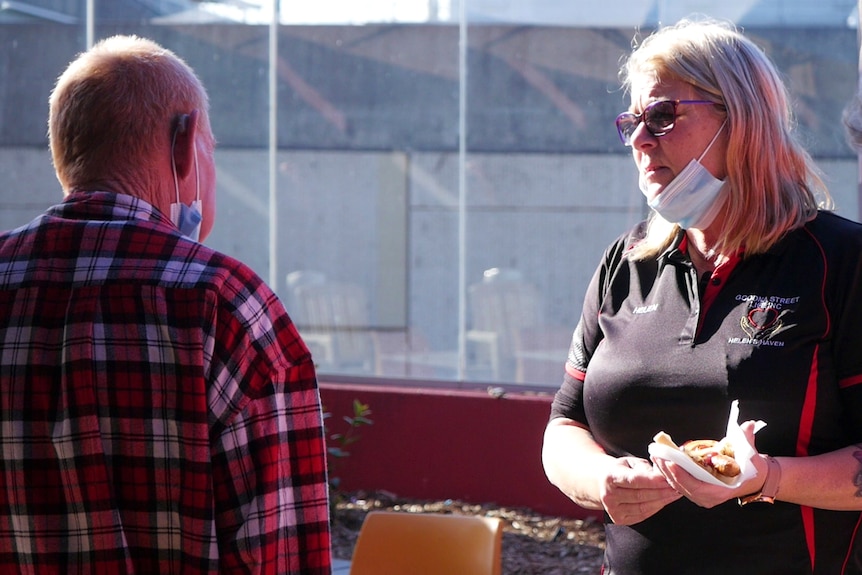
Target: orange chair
398,543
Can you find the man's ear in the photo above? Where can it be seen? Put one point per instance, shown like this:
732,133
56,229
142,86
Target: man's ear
183,147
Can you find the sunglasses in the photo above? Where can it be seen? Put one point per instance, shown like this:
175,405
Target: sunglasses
659,118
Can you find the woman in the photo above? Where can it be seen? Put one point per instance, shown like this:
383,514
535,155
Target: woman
739,287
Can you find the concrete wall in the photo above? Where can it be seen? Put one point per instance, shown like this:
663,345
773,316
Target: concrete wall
368,171
548,215
530,89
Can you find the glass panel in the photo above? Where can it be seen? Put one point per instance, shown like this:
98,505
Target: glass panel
357,105
28,69
416,226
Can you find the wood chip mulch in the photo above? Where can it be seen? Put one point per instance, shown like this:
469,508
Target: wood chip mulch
533,544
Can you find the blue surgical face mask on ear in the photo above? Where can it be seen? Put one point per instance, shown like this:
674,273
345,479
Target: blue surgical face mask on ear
694,197
187,218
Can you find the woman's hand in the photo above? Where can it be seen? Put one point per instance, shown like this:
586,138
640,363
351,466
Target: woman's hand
633,490
629,489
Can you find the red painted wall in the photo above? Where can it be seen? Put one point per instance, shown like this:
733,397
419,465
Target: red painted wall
433,443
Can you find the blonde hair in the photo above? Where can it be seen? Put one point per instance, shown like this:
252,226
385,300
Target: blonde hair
852,117
114,107
774,184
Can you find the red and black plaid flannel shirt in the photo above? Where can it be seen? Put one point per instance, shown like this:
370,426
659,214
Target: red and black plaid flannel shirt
159,412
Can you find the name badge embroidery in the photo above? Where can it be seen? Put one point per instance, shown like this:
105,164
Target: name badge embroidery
645,309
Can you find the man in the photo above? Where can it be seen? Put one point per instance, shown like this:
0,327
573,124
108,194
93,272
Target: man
159,412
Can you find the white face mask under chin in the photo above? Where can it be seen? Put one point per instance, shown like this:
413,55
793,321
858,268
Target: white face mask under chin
187,218
694,197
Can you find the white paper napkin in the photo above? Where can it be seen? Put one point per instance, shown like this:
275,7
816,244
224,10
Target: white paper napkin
743,453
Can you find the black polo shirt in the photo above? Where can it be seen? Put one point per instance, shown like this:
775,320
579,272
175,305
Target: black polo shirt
782,333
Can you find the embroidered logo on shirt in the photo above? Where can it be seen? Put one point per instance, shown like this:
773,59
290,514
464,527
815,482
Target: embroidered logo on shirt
765,317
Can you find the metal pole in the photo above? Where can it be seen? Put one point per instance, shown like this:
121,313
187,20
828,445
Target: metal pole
273,146
90,16
462,190
858,94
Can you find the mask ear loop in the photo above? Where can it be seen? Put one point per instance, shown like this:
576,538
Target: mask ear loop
714,138
197,174
182,125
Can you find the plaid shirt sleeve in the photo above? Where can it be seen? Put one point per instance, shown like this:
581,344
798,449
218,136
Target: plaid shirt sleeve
268,447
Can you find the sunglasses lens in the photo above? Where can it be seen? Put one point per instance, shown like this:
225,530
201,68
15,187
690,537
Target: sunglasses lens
627,123
659,117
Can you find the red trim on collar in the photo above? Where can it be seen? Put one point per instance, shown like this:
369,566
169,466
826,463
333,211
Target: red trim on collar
717,279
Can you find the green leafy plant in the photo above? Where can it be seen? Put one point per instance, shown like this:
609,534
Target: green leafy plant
338,444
